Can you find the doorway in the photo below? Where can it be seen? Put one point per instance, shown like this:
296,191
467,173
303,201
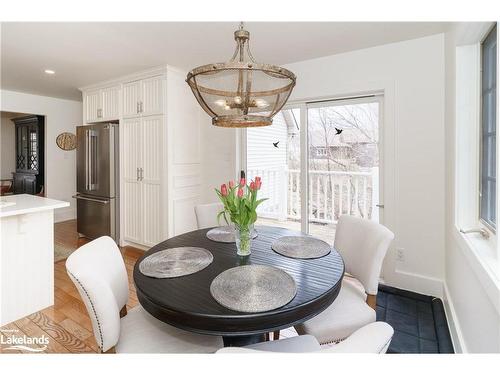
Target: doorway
320,158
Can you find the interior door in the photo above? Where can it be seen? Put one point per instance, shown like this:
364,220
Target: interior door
152,96
132,192
150,176
131,98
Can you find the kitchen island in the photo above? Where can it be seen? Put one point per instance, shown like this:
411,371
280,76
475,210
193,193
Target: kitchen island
26,255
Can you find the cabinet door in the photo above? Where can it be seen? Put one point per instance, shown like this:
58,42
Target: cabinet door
152,96
131,98
30,185
152,161
132,192
110,103
92,106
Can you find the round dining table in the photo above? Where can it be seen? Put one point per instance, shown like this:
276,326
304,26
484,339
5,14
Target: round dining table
186,302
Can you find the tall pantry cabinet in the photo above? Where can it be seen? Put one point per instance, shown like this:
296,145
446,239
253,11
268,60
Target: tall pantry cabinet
159,124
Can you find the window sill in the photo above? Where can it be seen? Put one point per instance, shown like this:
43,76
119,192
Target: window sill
482,258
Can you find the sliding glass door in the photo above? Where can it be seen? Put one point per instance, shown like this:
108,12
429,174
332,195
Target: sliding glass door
318,161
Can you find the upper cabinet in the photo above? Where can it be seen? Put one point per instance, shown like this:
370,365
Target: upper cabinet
143,97
102,105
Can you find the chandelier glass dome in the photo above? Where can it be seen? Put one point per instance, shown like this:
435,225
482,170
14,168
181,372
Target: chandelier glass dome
241,92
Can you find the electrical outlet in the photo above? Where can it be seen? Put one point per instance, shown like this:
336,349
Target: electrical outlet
400,254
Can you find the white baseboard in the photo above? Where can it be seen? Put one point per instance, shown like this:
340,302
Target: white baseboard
64,214
416,283
453,325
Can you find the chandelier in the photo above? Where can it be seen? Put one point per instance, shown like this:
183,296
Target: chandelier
241,93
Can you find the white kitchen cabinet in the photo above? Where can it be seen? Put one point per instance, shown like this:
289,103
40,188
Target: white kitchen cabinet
91,102
152,96
110,103
131,99
102,105
131,193
143,182
143,97
160,166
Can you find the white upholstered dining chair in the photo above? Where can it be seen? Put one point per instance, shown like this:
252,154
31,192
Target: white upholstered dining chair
372,338
98,271
363,245
206,214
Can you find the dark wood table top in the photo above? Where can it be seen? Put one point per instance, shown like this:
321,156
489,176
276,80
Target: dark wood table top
186,302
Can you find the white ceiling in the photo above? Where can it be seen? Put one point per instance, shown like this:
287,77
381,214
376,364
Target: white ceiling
87,53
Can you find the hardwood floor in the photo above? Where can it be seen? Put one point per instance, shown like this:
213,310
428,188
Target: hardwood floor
66,323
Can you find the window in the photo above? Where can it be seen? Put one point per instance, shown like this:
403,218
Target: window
487,207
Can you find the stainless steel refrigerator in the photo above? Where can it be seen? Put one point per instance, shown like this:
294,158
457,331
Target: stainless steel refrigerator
97,181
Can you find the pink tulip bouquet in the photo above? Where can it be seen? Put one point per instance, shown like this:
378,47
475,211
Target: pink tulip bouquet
240,204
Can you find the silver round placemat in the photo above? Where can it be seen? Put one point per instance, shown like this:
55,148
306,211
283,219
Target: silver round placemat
225,234
253,288
175,262
301,247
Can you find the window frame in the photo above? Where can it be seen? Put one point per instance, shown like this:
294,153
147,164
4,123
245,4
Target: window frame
482,222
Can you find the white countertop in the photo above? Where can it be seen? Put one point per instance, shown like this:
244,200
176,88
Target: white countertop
19,204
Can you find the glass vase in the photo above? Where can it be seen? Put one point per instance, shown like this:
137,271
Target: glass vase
244,240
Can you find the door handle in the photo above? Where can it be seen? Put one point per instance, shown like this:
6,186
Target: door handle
380,205
138,109
103,201
142,173
138,174
142,106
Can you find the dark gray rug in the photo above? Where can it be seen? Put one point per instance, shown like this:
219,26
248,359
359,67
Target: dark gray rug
418,320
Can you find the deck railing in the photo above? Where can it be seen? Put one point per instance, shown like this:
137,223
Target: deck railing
331,194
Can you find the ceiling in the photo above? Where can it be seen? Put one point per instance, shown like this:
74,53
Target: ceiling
87,53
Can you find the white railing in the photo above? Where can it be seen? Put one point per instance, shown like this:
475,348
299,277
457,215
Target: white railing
331,194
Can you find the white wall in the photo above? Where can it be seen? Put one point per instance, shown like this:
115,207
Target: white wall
7,146
219,159
471,300
60,167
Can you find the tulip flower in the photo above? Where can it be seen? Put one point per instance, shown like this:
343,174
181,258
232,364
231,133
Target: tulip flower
231,184
223,190
240,193
252,186
243,181
258,183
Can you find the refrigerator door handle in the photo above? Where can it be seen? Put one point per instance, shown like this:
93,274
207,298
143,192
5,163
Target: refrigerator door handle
92,160
87,159
103,201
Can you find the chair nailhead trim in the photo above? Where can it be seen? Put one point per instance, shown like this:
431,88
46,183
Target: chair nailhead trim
93,309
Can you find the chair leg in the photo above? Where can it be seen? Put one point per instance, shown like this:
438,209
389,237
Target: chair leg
267,336
109,351
276,335
371,300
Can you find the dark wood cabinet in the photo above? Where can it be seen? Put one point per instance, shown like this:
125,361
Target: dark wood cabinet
29,175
